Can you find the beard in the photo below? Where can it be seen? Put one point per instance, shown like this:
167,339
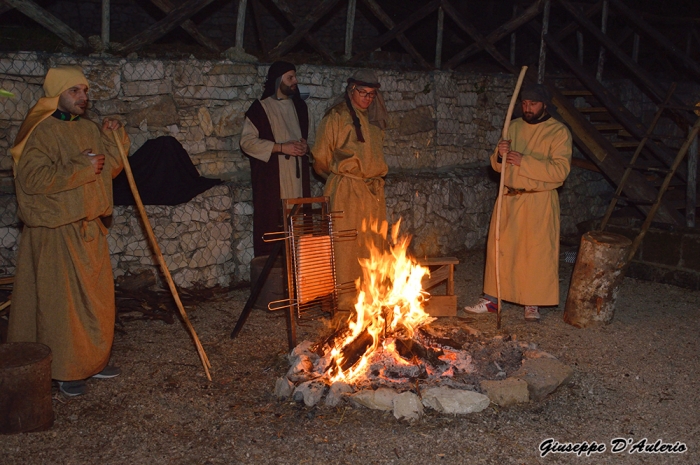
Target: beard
532,117
288,90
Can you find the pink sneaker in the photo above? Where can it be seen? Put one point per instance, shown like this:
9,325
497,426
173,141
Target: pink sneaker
532,313
482,306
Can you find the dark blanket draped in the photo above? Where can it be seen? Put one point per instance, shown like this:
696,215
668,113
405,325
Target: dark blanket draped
164,175
265,177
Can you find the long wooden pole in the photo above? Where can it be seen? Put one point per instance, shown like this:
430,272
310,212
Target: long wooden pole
159,255
499,202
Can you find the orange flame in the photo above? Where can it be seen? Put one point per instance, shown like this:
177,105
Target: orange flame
389,302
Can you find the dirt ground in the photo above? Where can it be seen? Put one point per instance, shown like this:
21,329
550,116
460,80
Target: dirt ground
635,378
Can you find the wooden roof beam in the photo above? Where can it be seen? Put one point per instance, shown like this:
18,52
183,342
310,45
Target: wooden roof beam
188,25
311,40
416,16
176,17
49,21
302,28
499,33
477,36
401,38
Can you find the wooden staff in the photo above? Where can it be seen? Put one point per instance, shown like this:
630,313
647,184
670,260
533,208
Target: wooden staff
499,202
159,255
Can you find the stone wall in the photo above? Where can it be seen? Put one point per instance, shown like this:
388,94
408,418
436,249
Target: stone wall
441,131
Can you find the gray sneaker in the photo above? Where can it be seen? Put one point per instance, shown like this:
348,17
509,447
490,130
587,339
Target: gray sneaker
72,388
108,372
532,313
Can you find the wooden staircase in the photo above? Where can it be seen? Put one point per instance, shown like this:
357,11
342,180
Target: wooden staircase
610,135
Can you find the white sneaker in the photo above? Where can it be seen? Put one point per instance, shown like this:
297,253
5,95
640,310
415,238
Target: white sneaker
482,306
532,313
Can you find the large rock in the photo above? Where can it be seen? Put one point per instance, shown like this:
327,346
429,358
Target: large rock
283,388
416,121
381,399
506,392
336,393
407,406
161,112
455,401
543,376
310,392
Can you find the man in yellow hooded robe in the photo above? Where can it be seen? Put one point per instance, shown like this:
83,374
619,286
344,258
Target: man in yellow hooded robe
64,286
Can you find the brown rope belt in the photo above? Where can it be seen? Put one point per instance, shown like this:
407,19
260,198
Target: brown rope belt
513,191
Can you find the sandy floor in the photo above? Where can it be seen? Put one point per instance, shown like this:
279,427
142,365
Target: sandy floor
635,378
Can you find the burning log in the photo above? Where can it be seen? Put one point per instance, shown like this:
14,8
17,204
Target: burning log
352,353
410,349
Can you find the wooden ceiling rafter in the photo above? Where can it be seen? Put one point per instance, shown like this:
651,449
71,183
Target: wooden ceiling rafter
40,15
390,35
173,19
286,12
188,26
302,28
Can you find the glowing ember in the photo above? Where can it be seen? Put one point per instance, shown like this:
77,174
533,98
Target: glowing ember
389,307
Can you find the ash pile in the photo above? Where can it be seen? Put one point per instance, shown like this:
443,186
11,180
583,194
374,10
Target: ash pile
448,367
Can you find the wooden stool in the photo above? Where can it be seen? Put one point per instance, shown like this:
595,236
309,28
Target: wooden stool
442,269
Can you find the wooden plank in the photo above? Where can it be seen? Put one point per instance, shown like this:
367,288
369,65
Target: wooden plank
657,36
437,277
176,17
188,25
390,35
401,38
49,21
434,261
441,305
477,36
302,29
499,33
7,280
258,27
311,40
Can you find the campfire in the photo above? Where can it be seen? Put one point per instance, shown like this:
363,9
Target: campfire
388,355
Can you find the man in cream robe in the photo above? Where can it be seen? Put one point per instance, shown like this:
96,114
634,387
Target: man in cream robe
538,154
348,151
274,139
64,287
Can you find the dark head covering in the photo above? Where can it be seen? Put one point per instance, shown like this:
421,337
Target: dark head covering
276,71
537,93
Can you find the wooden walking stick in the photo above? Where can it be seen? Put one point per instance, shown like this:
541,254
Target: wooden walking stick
499,202
159,255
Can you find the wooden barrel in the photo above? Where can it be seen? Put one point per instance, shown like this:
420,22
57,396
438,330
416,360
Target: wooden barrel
25,387
274,285
598,274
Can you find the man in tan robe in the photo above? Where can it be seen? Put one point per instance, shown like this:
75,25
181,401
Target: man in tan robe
538,154
64,287
348,151
274,139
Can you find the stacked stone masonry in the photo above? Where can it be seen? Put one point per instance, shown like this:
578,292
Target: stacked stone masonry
442,129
